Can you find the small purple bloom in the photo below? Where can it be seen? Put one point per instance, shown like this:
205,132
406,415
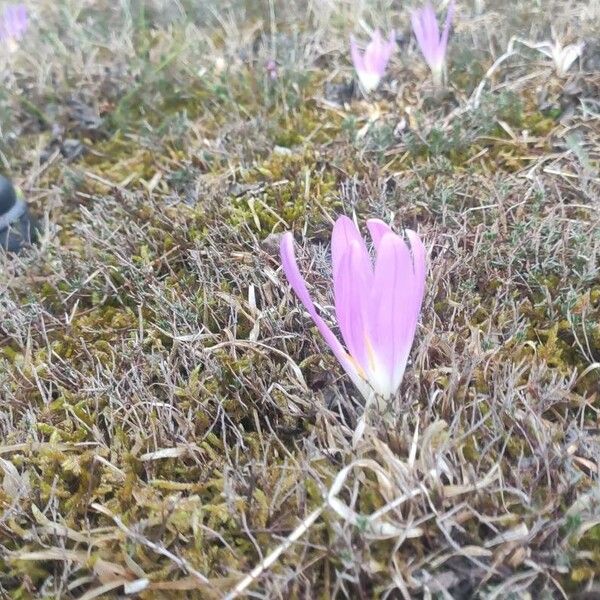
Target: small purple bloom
377,306
271,68
370,66
14,21
432,44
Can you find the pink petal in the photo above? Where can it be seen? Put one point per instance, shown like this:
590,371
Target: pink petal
352,281
397,300
372,56
377,228
290,267
378,53
431,27
352,284
386,51
344,232
14,21
415,20
426,30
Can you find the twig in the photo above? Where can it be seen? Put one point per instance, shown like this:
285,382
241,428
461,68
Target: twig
275,554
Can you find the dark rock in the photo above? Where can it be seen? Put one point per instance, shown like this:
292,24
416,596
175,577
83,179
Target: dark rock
17,227
271,244
8,196
591,56
340,93
72,149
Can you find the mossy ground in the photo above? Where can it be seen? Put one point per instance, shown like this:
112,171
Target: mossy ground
170,415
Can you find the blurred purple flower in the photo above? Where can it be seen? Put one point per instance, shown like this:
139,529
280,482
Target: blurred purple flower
14,21
432,44
370,66
377,307
271,68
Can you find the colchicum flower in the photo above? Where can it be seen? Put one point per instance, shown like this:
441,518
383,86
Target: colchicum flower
377,306
432,44
371,65
14,21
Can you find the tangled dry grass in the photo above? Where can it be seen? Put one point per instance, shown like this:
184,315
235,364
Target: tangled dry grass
172,426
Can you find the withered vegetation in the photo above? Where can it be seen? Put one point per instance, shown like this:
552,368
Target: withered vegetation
171,423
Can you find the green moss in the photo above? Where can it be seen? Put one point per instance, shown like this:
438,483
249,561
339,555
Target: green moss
296,190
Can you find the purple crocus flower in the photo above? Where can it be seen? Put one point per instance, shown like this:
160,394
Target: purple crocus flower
370,66
377,306
432,44
14,21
